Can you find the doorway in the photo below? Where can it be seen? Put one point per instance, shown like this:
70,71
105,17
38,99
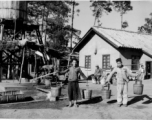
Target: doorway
148,70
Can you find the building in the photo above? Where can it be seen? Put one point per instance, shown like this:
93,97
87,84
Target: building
102,46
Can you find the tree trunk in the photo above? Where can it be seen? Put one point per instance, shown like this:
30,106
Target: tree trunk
35,66
1,65
121,20
95,20
1,32
72,24
8,70
23,55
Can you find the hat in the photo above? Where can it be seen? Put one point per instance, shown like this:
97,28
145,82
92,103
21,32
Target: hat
119,60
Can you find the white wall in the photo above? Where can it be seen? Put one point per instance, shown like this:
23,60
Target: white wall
145,58
102,48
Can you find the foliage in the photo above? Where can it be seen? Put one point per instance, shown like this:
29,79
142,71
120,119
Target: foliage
53,17
122,6
107,6
147,27
125,24
99,8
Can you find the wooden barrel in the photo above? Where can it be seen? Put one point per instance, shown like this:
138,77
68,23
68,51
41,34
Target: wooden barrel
138,88
87,94
106,94
13,10
55,91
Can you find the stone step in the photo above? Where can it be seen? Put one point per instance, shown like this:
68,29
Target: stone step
16,86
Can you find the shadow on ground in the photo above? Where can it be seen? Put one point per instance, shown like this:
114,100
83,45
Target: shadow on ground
135,100
112,101
139,98
94,100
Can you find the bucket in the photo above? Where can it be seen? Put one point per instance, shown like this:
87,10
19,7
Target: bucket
47,83
106,94
138,88
139,82
93,81
55,91
87,94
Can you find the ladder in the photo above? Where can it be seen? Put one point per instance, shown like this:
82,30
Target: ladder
41,42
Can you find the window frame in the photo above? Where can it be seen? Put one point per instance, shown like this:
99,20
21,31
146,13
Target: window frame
106,68
87,61
136,65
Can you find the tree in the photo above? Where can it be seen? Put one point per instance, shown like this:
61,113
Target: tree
99,8
147,27
53,17
124,24
106,6
122,7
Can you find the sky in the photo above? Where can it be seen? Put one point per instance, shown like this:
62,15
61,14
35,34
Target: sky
135,18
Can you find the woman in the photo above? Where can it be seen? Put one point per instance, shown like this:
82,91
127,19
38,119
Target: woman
73,86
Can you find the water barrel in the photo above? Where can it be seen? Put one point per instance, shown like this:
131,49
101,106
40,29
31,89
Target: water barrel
87,94
55,91
106,94
138,88
11,10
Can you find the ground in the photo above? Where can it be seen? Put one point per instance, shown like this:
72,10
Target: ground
139,107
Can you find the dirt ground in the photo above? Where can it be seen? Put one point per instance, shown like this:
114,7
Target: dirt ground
139,107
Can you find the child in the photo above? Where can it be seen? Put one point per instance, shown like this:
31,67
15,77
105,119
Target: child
122,82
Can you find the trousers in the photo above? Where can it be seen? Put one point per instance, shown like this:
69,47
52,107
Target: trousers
122,93
73,90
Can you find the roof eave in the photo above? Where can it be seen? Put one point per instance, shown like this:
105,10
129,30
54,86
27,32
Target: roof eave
99,34
147,53
75,47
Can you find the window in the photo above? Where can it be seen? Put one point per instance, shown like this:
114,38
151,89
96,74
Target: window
135,62
88,61
106,61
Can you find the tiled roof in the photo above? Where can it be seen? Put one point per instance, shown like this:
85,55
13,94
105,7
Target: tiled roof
128,39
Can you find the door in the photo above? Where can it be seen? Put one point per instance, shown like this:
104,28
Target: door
148,70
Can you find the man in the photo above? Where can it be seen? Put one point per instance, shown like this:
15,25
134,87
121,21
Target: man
97,74
73,86
122,82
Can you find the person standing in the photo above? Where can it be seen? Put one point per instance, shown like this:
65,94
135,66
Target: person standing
142,72
122,82
73,86
97,74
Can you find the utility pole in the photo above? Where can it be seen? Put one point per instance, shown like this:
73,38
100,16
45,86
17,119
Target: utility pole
72,24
